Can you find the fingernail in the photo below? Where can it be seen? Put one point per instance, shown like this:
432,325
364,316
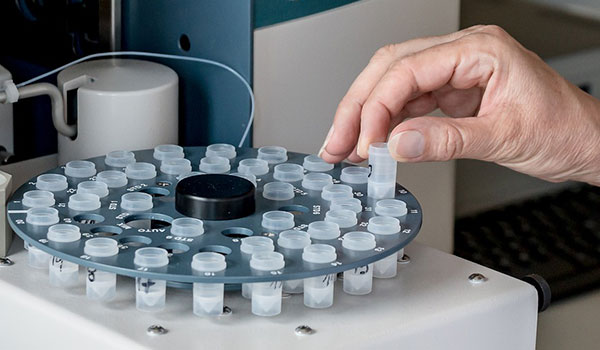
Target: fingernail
326,141
407,144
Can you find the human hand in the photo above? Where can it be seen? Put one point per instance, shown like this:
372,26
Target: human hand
505,106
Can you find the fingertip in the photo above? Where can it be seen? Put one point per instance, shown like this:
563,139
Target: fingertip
330,158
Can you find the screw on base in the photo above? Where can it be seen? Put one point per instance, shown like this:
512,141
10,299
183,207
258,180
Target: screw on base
157,330
477,278
304,330
6,262
226,311
404,259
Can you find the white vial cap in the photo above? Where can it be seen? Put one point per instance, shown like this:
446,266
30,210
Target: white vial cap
42,216
316,181
315,163
355,175
273,154
293,239
323,230
151,257
214,165
208,262
390,207
278,191
247,176
119,159
38,199
84,202
187,227
80,168
353,204
358,240
112,178
136,201
255,244
221,150
101,247
51,182
190,174
140,171
176,166
254,166
278,220
267,261
288,172
336,191
319,254
63,233
343,217
98,188
163,152
383,225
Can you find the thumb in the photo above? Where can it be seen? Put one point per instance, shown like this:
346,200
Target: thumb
441,138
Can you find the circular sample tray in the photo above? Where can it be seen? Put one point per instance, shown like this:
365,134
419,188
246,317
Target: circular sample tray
151,228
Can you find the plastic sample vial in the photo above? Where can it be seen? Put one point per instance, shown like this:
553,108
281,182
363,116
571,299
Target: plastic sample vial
355,175
273,154
343,217
266,296
318,291
293,242
353,204
63,273
51,182
391,207
278,191
288,172
136,201
208,297
336,192
140,171
43,216
323,230
163,152
214,165
382,180
101,285
358,281
150,293
98,188
37,258
315,163
80,168
316,181
278,220
175,166
187,227
38,199
252,245
221,150
247,176
189,174
112,178
253,166
119,159
84,202
385,226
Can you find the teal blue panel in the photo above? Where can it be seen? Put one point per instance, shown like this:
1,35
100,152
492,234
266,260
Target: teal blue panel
267,12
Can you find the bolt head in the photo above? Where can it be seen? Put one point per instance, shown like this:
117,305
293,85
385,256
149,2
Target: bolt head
477,278
157,330
304,330
226,311
6,262
404,259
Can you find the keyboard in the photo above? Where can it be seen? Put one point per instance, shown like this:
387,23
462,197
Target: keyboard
556,236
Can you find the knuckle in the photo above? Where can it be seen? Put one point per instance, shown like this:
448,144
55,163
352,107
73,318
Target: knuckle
453,143
495,30
385,51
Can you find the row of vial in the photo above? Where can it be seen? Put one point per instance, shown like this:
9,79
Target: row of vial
257,251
